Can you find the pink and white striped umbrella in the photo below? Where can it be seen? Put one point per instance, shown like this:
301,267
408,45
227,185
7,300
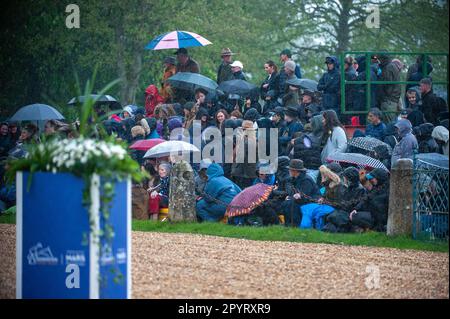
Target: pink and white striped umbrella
176,40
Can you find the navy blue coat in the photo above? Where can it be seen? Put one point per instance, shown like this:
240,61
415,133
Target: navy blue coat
329,84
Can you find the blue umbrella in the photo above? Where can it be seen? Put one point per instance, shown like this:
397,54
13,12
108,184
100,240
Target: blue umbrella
37,112
177,39
191,81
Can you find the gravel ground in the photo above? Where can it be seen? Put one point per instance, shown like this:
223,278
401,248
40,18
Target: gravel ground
197,266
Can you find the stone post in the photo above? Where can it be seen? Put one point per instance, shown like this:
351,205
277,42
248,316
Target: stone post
182,193
400,216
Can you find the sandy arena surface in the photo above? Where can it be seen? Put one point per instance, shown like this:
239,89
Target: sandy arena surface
197,266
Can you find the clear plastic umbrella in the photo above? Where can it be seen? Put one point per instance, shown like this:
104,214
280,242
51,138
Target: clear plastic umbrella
170,148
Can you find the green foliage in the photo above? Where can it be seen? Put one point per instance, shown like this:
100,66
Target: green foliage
281,233
39,54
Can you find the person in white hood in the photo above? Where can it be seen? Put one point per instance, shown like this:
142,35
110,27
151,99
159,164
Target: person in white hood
440,134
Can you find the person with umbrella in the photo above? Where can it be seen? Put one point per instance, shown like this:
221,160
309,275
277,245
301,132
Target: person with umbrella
308,107
224,72
334,136
236,68
301,189
289,93
169,70
185,62
200,97
219,191
27,136
159,192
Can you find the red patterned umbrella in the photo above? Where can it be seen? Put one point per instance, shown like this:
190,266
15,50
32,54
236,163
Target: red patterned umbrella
145,145
247,200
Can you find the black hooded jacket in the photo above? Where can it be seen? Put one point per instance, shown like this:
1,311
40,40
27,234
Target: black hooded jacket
377,201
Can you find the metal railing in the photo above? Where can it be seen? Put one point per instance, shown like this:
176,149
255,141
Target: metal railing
368,82
430,201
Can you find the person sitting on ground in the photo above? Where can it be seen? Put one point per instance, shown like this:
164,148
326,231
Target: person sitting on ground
440,134
372,211
301,189
202,178
159,192
282,176
351,194
219,191
265,173
407,144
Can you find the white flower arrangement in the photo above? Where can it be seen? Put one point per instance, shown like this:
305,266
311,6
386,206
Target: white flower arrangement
67,154
81,157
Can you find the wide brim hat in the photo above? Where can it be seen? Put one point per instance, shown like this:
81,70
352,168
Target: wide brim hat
296,165
226,52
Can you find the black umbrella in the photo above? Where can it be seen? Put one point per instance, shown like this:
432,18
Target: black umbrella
101,99
239,87
357,159
306,84
191,82
37,112
367,143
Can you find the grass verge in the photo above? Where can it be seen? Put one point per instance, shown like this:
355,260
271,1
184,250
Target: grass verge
280,233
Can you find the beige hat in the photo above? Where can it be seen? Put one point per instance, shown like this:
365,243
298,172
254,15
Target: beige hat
226,51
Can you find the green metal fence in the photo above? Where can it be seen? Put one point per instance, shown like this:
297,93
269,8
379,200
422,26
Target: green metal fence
368,82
